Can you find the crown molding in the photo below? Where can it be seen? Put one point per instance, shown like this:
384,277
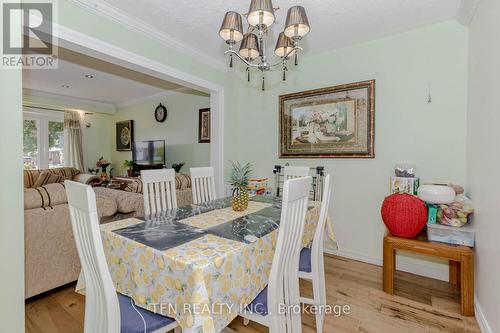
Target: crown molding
43,99
466,11
104,10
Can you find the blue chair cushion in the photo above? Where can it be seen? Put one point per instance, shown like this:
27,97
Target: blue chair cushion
305,260
131,321
259,304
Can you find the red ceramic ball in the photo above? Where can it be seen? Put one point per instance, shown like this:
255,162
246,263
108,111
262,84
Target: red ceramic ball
404,215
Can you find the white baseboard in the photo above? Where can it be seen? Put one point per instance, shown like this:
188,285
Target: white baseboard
484,326
402,264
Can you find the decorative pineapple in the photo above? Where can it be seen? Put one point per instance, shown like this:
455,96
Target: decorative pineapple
239,182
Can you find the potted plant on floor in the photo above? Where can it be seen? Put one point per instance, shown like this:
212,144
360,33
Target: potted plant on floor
130,167
239,183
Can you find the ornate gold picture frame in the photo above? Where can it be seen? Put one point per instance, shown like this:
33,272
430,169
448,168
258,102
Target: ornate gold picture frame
333,122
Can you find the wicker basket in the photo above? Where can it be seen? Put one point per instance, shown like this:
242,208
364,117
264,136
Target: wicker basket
404,215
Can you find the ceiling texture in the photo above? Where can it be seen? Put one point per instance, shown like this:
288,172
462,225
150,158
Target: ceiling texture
192,25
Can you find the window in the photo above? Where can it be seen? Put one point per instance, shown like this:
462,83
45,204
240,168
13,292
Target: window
43,134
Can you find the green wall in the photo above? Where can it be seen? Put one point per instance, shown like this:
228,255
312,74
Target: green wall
407,128
11,203
98,138
483,157
180,129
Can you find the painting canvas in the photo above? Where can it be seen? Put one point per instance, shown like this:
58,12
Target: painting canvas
124,135
204,126
329,122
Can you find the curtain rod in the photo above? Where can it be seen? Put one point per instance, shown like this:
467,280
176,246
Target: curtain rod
30,105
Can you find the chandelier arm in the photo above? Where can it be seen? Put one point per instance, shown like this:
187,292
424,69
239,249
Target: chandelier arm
279,62
241,58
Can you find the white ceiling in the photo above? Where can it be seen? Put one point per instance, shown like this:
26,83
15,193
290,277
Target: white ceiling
104,87
111,84
193,25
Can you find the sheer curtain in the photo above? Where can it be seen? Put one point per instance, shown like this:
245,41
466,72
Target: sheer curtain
73,140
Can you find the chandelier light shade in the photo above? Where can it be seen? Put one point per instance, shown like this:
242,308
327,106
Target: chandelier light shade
252,50
261,12
297,24
231,29
249,48
284,46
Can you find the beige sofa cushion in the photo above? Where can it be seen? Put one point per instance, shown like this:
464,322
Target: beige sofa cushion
126,202
50,257
105,206
30,176
46,177
109,201
134,184
45,196
182,181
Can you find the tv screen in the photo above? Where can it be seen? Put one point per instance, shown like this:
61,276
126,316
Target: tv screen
149,152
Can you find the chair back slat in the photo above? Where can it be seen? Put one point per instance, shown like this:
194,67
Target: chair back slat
159,191
317,260
102,311
317,244
283,280
292,172
203,184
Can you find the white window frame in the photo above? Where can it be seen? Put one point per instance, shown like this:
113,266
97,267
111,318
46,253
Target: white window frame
42,118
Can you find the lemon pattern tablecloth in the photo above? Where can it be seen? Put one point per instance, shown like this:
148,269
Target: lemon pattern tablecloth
201,283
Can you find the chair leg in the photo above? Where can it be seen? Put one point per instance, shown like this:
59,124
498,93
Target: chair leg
319,299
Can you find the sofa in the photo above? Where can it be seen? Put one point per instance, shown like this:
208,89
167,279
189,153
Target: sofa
51,259
183,190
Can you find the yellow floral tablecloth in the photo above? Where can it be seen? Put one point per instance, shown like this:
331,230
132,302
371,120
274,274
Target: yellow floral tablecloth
201,283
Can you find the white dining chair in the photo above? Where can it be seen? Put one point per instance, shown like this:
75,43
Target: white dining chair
106,311
291,172
283,286
202,184
311,265
159,191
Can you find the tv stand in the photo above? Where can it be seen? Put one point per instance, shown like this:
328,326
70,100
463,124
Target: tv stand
138,167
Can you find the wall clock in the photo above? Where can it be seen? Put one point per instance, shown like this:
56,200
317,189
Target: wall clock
160,113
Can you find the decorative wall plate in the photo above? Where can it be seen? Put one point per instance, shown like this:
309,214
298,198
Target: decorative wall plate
124,135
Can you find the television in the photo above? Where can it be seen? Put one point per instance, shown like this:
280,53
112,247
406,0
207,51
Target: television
149,153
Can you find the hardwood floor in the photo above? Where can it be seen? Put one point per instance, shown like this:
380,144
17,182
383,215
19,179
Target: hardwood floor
419,305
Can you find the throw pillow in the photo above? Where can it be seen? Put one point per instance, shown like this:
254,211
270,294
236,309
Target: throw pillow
47,177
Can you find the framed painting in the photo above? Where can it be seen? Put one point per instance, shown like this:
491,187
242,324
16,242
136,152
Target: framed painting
333,122
124,135
204,126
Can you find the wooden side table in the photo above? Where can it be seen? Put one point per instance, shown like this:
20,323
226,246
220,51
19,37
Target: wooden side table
461,259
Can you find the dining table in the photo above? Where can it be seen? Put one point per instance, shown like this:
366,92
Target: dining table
199,264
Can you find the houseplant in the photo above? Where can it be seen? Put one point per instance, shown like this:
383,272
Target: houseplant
239,183
178,166
130,167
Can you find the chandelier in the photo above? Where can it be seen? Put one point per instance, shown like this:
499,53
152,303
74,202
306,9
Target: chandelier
252,49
